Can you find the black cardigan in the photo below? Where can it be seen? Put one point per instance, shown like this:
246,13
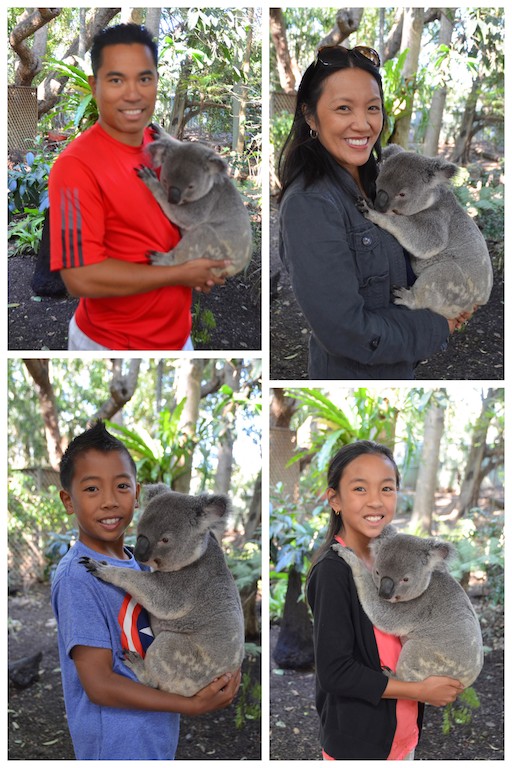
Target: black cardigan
355,721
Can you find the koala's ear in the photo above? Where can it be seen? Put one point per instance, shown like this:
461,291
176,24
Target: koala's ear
164,145
440,552
216,164
390,150
439,171
388,532
150,491
214,507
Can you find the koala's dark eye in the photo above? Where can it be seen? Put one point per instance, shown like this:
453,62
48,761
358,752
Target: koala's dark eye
405,578
165,539
377,573
401,194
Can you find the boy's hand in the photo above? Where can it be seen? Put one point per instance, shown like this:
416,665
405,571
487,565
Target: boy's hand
218,695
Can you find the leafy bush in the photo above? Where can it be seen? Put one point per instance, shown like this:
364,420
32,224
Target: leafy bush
26,233
28,183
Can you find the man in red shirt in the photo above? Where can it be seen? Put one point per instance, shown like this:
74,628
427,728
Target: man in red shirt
104,219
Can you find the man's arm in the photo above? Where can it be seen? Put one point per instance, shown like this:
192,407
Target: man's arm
112,277
106,688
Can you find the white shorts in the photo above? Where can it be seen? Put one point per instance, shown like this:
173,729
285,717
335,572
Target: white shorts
78,341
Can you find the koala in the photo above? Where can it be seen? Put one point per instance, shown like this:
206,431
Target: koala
449,256
410,593
190,595
196,193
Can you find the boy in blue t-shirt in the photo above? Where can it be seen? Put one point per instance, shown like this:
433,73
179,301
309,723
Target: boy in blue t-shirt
111,716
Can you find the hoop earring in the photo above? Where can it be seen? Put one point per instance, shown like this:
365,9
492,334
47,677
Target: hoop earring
313,134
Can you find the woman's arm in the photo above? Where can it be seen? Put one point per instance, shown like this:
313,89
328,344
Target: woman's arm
112,277
326,283
106,688
434,690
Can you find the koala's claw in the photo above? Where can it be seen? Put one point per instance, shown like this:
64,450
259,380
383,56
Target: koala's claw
92,565
363,205
143,172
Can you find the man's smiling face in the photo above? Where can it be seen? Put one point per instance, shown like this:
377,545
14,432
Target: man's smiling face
125,89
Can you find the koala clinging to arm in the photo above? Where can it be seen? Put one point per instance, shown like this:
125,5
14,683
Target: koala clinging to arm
196,193
449,256
191,596
410,593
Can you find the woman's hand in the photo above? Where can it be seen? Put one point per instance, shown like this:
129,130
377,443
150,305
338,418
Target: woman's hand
460,321
439,691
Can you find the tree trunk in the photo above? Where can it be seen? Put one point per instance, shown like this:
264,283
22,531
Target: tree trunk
177,119
473,475
30,60
283,58
435,115
294,647
122,388
241,90
411,39
39,369
153,16
49,90
248,596
426,484
254,516
461,150
347,22
227,438
188,384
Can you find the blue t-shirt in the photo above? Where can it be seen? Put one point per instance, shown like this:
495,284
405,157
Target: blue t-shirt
93,613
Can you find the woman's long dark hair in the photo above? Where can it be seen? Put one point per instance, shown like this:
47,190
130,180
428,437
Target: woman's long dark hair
338,464
304,156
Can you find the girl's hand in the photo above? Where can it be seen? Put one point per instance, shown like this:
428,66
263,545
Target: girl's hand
439,691
219,694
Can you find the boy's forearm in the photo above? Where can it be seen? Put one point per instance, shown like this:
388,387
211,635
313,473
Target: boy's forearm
123,693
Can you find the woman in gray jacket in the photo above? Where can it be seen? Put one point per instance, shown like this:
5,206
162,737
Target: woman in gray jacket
343,268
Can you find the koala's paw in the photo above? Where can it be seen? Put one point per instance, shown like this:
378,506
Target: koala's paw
158,258
146,174
93,566
133,660
363,205
405,297
346,554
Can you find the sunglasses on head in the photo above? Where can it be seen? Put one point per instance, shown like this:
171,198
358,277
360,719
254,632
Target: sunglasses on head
332,55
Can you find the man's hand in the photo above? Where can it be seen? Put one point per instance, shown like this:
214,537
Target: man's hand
198,274
218,695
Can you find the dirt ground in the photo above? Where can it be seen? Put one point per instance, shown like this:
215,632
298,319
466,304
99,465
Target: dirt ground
41,322
37,720
476,352
294,721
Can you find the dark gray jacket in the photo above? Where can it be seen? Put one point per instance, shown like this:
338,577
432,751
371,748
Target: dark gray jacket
343,269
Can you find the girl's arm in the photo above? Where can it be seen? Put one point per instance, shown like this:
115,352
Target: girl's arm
106,688
434,690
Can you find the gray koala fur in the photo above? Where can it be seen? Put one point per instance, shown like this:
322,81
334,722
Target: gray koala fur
191,596
430,611
449,256
196,193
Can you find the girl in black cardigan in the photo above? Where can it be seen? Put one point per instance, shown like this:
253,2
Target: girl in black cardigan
363,713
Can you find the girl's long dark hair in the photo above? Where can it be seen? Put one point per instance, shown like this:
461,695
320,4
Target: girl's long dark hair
305,156
338,464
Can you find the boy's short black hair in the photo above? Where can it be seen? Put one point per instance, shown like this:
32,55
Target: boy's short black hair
121,34
96,438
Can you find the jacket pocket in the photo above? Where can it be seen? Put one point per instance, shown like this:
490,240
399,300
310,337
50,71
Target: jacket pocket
372,267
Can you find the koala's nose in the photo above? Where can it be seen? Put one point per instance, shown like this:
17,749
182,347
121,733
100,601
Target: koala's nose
381,201
142,548
174,195
386,589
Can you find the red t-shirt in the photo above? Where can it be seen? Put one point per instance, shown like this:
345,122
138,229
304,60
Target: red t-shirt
99,209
